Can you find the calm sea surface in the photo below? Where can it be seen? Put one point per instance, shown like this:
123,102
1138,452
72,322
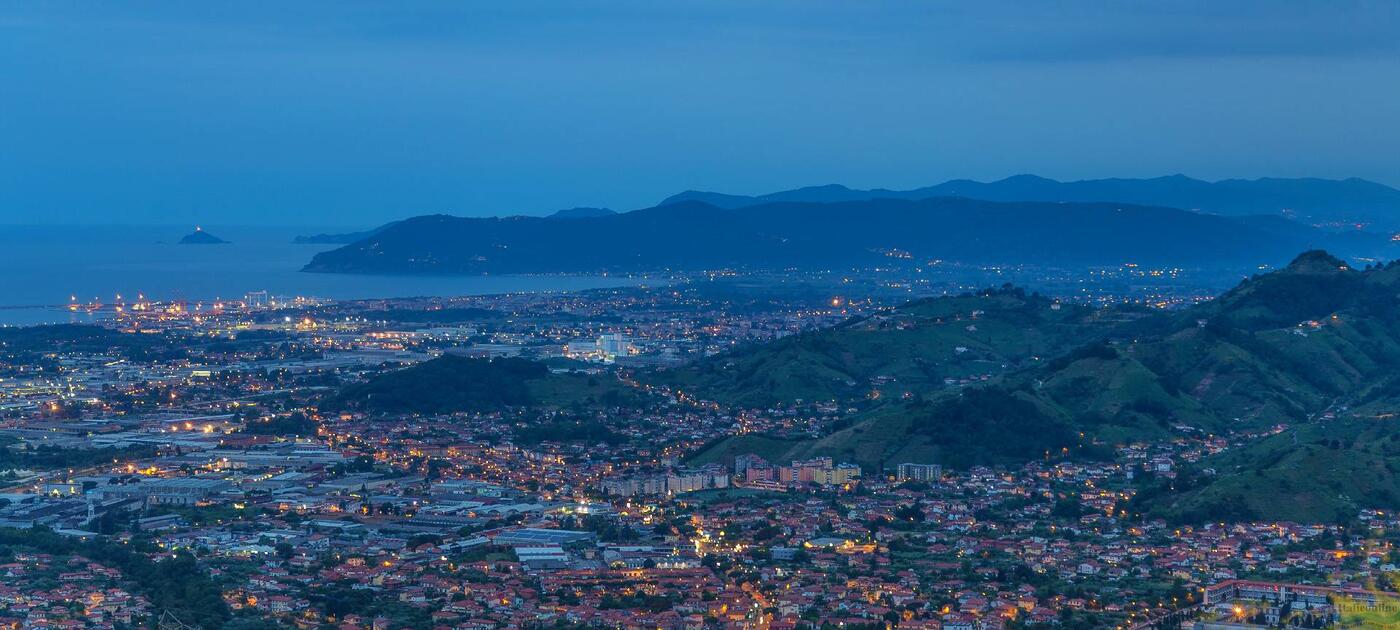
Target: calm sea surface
42,267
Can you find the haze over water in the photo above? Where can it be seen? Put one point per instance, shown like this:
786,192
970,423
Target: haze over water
46,266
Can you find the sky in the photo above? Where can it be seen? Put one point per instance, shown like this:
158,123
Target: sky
347,113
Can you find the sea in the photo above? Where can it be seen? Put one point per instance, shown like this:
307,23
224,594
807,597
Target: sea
44,268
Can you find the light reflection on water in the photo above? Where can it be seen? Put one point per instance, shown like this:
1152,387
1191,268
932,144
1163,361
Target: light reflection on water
41,268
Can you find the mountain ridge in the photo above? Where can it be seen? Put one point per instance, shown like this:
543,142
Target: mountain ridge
1315,200
694,235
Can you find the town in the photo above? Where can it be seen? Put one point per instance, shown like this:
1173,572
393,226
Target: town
214,436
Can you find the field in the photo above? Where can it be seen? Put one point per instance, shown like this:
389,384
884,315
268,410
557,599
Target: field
1384,616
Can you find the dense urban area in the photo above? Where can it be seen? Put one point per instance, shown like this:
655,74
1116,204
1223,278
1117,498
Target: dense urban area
688,455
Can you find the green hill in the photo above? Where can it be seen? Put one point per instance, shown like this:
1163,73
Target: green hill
1279,348
913,348
452,383
983,426
1321,472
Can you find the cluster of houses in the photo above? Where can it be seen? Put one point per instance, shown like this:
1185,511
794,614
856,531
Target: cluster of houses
41,590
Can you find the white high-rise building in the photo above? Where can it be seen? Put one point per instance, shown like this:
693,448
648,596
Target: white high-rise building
613,345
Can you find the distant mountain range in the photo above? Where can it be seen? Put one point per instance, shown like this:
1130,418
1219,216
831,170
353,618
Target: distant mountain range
341,238
344,238
1340,203
582,213
693,235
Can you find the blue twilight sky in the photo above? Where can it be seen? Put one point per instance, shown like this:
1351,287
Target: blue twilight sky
355,113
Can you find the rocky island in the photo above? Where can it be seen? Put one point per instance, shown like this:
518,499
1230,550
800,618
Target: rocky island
200,237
